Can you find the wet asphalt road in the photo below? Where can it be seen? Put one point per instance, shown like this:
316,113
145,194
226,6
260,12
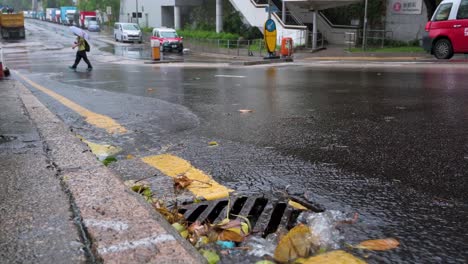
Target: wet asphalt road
385,141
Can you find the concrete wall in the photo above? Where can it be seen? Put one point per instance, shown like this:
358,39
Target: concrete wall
160,13
167,16
405,27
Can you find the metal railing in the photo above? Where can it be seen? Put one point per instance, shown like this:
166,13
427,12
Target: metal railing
254,48
375,37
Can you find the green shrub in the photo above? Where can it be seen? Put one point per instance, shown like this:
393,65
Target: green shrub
202,34
147,29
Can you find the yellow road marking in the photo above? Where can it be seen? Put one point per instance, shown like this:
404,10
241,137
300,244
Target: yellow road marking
92,118
102,151
364,58
203,185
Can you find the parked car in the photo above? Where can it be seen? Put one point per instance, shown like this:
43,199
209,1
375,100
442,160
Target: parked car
127,32
447,31
169,39
93,26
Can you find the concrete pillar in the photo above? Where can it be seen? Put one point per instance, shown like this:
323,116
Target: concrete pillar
177,18
314,29
219,16
283,12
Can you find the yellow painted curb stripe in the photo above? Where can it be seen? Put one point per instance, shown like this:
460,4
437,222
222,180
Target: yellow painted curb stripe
203,186
365,58
98,120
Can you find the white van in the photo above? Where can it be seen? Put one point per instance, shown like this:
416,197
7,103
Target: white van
127,32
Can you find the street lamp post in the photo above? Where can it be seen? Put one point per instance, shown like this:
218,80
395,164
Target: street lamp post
136,14
364,27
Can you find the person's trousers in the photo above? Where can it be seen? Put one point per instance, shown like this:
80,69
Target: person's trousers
81,54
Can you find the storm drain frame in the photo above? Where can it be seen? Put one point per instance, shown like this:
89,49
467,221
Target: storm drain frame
266,215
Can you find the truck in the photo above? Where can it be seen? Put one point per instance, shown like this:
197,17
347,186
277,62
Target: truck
85,17
48,14
12,26
67,15
56,15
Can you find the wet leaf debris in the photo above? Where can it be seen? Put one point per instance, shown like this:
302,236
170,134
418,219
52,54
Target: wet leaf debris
228,235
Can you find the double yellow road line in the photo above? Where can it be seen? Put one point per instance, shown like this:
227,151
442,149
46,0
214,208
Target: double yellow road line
203,186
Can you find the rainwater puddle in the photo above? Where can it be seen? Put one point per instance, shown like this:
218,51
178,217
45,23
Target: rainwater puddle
142,53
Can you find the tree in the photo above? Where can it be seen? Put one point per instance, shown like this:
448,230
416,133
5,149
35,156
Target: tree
18,5
100,5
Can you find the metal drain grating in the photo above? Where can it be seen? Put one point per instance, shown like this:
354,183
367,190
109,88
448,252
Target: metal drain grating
265,215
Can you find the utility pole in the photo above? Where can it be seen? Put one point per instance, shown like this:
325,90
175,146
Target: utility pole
269,9
364,28
136,14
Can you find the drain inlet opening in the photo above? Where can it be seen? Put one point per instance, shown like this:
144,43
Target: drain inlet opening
275,219
196,213
237,207
215,212
256,210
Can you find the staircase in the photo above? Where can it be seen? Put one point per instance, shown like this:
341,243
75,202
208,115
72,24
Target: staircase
255,12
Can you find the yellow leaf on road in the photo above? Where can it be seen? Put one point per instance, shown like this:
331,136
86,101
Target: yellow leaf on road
295,244
297,205
379,244
333,257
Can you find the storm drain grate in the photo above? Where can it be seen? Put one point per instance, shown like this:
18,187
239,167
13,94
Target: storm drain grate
265,215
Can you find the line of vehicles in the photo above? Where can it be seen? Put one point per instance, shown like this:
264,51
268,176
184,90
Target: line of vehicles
67,15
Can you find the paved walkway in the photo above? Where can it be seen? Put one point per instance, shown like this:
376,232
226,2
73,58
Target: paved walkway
95,220
36,222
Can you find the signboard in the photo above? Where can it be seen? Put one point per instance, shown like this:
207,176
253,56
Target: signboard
109,10
406,7
270,35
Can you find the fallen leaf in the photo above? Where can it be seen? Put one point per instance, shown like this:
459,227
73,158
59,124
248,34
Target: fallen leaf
213,143
379,244
182,181
297,205
198,229
210,256
228,223
333,257
295,244
130,156
178,227
229,235
244,111
264,262
171,215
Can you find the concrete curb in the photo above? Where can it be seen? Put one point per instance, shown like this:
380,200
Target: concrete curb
121,227
261,62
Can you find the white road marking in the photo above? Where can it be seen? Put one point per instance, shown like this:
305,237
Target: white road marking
116,225
229,76
145,242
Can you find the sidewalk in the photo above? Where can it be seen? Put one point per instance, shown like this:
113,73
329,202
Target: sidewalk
340,53
58,204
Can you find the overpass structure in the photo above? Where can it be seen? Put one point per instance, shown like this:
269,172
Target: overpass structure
298,19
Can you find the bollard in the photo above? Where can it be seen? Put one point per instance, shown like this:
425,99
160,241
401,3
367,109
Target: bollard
155,49
286,47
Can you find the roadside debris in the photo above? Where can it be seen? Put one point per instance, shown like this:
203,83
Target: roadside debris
379,244
332,257
213,143
315,238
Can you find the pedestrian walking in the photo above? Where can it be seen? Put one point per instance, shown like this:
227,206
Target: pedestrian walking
81,53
